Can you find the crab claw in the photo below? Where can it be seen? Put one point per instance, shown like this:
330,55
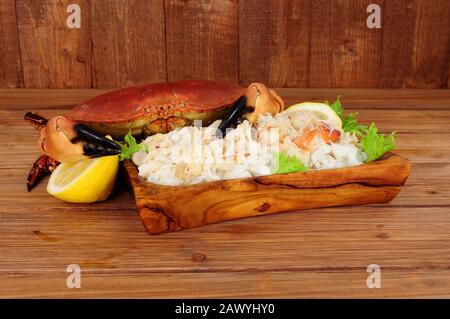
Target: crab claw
258,98
262,100
235,111
65,140
68,141
94,145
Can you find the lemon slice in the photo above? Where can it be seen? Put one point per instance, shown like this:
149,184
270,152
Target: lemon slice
86,181
321,110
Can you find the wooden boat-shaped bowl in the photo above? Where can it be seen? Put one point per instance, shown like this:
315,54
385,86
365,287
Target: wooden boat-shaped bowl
171,208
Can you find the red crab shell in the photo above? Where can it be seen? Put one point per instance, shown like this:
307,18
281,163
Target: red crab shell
156,108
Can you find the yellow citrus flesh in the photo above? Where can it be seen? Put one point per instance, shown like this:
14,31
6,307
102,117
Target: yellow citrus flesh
321,110
86,181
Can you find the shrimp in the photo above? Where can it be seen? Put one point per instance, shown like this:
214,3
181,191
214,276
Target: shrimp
324,131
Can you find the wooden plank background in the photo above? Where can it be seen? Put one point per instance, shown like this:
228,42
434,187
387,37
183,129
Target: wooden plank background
283,43
313,253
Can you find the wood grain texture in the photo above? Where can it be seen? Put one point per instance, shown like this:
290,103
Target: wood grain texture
418,55
397,46
128,43
274,42
368,98
375,99
31,99
315,253
432,49
344,52
283,43
398,237
202,40
10,64
448,85
53,56
270,284
167,208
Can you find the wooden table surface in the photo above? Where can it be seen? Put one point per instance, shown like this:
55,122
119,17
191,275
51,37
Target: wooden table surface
314,253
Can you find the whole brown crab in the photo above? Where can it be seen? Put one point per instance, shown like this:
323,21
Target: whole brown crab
143,110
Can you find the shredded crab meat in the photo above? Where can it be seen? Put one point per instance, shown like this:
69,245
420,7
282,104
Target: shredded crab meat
246,151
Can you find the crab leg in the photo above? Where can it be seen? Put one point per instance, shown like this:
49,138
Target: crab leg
43,166
68,141
35,120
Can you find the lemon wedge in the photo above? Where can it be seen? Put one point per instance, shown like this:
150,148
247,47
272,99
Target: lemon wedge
321,110
86,181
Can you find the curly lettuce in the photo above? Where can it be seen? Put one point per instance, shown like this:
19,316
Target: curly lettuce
349,122
289,164
129,146
373,143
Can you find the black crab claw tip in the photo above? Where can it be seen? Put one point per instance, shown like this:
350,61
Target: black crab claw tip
235,111
95,145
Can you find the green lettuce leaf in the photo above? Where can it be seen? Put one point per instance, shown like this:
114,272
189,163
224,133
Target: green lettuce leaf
350,124
375,144
289,164
129,146
337,107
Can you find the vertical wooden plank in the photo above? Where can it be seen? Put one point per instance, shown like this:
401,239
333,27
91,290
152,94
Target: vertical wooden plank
416,44
274,42
448,84
344,51
10,67
128,42
53,56
202,40
399,20
431,52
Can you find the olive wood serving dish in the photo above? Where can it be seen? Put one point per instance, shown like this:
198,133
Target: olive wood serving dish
171,208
